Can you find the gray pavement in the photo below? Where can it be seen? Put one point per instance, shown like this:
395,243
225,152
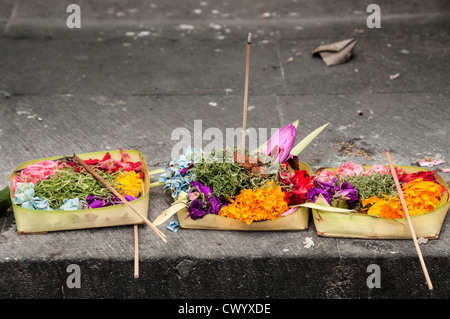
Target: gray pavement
136,70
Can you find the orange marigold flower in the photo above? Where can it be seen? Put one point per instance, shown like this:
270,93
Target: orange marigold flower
265,203
420,197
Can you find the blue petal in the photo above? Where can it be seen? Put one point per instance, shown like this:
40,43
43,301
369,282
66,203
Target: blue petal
70,204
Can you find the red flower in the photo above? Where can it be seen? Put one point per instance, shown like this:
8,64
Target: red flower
106,157
91,161
108,164
300,181
429,176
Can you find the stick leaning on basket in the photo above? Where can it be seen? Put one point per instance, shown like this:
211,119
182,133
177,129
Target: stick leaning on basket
115,192
408,218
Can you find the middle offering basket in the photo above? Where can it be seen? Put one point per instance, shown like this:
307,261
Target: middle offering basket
226,190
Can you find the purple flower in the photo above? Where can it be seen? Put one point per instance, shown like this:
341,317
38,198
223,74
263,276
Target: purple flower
347,193
280,144
327,186
326,189
203,204
314,192
197,209
345,190
185,169
336,194
102,201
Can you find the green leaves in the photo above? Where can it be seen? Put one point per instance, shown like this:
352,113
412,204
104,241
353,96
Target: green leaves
66,183
372,185
296,150
225,177
5,199
327,208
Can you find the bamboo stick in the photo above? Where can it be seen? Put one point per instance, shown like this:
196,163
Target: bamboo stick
408,218
115,192
136,252
247,71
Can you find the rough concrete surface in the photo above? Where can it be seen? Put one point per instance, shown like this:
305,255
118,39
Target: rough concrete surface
136,70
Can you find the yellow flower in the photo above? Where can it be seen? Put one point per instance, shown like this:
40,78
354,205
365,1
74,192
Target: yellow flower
129,183
264,203
420,197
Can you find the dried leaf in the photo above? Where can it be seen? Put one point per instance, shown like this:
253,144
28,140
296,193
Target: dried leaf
337,52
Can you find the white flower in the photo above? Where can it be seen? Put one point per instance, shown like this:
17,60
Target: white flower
308,242
422,240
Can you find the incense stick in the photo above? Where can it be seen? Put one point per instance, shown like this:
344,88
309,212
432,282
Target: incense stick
115,192
408,218
247,69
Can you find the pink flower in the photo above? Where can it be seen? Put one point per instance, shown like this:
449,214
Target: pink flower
325,176
380,168
35,172
280,144
107,164
289,211
127,164
125,156
193,195
349,169
429,163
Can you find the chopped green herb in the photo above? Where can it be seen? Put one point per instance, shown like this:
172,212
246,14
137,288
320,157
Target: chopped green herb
67,183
